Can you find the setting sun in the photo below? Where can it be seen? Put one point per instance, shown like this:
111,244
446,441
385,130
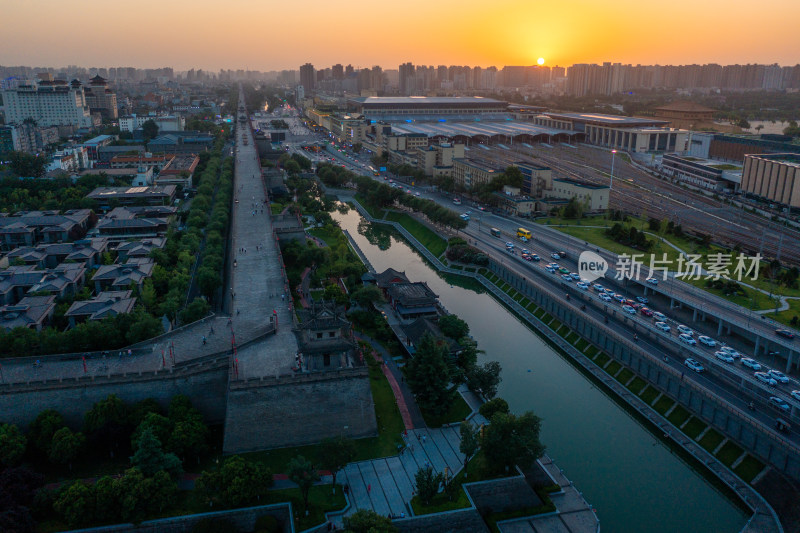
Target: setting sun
540,61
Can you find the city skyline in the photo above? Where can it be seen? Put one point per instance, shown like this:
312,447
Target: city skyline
267,37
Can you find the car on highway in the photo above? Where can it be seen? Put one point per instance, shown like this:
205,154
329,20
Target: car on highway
687,339
605,297
722,356
619,298
628,309
646,311
525,251
598,287
509,245
778,376
708,341
642,300
730,351
582,285
663,326
562,254
695,365
535,257
550,268
555,255
685,329
575,276
796,395
661,317
779,403
749,363
652,281
785,333
563,270
567,277
765,378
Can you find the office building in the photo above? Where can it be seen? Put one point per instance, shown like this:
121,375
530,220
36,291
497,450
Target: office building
308,78
774,177
49,103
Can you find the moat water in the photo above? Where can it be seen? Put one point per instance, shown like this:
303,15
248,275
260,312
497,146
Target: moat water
636,482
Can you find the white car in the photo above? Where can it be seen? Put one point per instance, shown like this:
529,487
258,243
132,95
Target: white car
555,255
566,277
582,285
685,329
687,339
778,376
730,351
708,341
628,309
765,378
642,300
652,281
509,245
722,356
575,276
605,297
550,269
661,317
694,365
750,363
796,395
779,403
663,326
598,287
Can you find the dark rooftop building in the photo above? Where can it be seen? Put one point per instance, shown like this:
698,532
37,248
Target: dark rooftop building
155,195
104,305
420,327
33,312
324,338
413,300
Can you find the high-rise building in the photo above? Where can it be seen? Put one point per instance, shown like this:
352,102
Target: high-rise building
101,99
49,103
337,72
406,84
307,78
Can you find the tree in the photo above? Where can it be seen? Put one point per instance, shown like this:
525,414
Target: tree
366,295
160,425
512,440
149,130
18,487
140,496
453,327
26,165
208,280
335,453
427,483
485,379
75,503
237,483
469,441
428,376
495,405
41,430
368,521
189,437
107,423
196,310
302,472
65,446
292,167
12,444
150,458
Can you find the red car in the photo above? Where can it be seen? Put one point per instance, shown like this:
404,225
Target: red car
645,311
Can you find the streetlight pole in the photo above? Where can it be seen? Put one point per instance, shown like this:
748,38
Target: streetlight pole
611,184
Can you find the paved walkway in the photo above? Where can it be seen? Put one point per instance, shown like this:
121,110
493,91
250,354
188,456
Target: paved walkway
409,410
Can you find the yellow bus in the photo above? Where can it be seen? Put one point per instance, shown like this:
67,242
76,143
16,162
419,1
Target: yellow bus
522,232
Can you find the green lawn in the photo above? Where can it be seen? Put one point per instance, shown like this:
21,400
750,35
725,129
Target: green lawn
624,376
636,385
276,208
729,453
694,427
649,394
751,299
440,503
785,317
602,359
749,468
375,212
331,238
663,404
711,440
420,231
678,416
459,410
321,500
613,367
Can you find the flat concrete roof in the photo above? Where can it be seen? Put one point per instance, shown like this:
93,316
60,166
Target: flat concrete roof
510,128
411,100
608,120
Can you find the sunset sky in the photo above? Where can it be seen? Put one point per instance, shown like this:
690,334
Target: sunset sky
280,34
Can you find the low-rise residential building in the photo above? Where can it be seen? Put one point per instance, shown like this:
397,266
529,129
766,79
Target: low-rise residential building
181,143
468,174
86,251
511,202
62,281
120,277
32,312
164,122
123,223
437,159
138,248
105,305
28,228
178,170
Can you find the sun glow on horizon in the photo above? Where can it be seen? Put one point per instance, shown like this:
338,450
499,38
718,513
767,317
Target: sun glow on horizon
540,61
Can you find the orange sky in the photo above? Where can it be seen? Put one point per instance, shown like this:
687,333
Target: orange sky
278,34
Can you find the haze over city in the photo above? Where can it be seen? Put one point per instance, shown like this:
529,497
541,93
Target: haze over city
278,35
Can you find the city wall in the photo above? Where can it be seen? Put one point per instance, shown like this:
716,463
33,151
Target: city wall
298,409
765,444
204,380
